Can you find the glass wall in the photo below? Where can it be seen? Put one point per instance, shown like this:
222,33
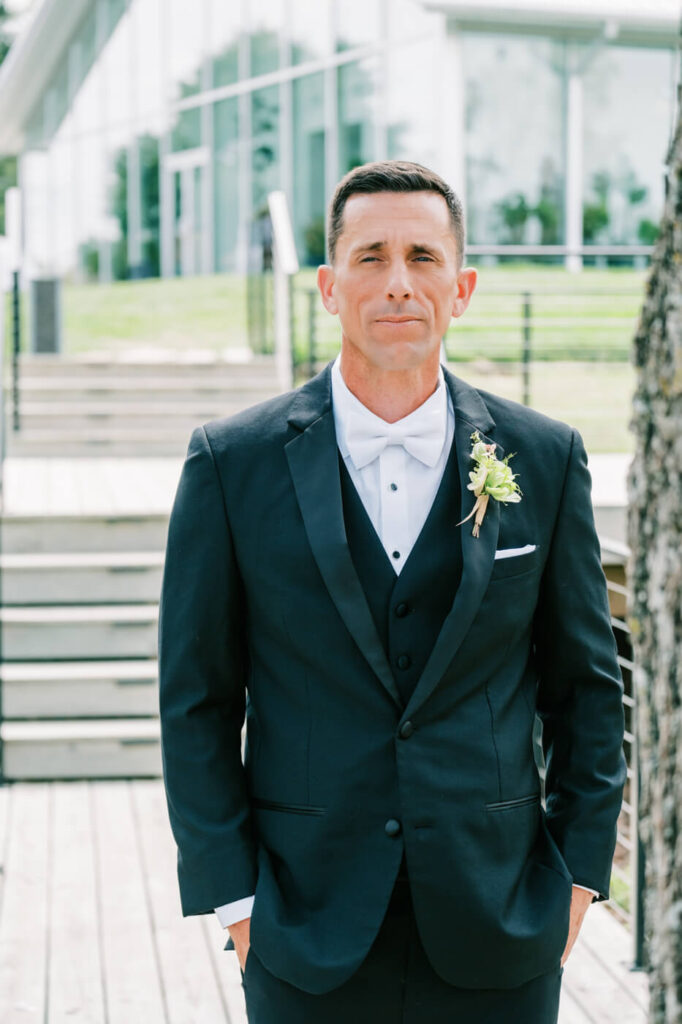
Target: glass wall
227,200
628,112
357,85
157,140
514,144
309,163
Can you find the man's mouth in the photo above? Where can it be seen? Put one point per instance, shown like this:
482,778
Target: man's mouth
397,319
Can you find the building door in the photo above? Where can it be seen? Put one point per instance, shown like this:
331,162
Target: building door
187,180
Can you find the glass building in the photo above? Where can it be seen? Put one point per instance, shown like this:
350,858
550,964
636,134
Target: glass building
149,132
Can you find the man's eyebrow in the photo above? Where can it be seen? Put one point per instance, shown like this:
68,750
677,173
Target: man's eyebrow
374,246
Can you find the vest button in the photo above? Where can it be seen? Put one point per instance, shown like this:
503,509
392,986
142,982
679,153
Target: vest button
404,661
392,827
406,729
402,609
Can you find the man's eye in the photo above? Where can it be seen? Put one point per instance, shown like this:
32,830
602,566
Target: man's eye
427,258
366,259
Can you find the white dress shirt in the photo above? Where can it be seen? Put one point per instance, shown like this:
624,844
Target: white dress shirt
397,488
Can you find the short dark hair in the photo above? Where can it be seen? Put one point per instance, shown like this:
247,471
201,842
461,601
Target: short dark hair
392,176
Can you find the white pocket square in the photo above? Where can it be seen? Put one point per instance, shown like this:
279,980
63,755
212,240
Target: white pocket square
508,552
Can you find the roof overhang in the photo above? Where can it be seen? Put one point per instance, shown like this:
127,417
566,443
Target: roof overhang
622,21
31,63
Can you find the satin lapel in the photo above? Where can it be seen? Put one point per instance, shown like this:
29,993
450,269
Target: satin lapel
313,464
478,553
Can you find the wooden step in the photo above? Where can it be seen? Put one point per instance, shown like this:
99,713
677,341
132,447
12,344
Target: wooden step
95,689
140,387
30,534
50,364
106,577
79,631
87,749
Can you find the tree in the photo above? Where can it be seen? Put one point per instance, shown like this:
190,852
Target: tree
655,595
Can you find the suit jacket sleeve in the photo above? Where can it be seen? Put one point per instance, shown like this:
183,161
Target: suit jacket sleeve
580,688
202,671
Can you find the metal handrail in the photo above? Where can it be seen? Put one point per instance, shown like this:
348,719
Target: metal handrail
630,842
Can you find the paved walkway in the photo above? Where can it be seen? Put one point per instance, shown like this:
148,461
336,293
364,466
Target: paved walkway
91,928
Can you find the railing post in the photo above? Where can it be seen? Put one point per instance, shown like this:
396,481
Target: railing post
285,265
13,227
527,314
16,347
637,864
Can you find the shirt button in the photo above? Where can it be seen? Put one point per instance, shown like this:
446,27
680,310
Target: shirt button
394,487
402,609
406,729
392,827
404,661
396,554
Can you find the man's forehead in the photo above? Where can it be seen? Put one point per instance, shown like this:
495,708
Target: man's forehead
380,219
361,205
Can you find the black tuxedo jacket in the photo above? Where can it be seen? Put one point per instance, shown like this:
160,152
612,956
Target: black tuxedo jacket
263,618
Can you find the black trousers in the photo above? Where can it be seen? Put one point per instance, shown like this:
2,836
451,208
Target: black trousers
395,984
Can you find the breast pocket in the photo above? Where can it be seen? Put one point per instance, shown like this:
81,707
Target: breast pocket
516,564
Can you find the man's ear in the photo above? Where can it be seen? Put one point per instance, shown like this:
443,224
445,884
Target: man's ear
466,282
325,282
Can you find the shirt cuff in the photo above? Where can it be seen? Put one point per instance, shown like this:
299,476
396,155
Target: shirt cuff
230,913
593,891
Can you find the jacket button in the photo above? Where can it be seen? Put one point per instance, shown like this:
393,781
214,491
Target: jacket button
404,661
402,609
406,729
392,827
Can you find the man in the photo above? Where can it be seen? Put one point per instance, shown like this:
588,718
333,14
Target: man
383,851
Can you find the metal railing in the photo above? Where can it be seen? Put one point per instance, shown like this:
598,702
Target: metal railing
628,865
512,327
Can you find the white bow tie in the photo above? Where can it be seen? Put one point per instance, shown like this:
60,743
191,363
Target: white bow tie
423,436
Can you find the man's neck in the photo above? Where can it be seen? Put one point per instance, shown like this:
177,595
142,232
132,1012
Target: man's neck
390,394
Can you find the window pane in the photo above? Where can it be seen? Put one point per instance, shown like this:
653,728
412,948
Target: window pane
266,26
226,141
265,146
514,126
185,41
358,22
309,163
357,90
310,30
224,34
628,107
415,117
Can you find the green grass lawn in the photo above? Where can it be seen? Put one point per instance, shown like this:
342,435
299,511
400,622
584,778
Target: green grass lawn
581,332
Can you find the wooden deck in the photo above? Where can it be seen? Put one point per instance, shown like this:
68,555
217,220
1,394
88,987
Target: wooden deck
91,929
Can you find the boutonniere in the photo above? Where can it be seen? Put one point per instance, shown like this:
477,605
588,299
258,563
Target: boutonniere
492,478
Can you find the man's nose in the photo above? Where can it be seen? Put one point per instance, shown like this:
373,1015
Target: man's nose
398,285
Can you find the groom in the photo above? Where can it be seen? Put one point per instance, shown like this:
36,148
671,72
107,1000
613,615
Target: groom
381,852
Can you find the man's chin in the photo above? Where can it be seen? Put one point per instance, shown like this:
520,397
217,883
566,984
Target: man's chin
404,354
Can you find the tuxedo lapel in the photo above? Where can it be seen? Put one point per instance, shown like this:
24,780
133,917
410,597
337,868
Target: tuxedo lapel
313,463
478,553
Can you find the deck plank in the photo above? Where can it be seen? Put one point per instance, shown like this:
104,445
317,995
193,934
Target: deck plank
134,993
24,920
105,939
226,968
189,980
75,968
598,988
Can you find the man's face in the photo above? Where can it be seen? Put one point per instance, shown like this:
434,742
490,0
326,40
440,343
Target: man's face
394,282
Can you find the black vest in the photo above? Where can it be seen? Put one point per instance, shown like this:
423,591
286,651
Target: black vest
409,609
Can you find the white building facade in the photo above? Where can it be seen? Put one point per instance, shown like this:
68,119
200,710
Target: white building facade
149,132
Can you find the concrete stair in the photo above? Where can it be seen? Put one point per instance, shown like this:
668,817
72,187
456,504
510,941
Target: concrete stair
117,405
79,641
79,623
